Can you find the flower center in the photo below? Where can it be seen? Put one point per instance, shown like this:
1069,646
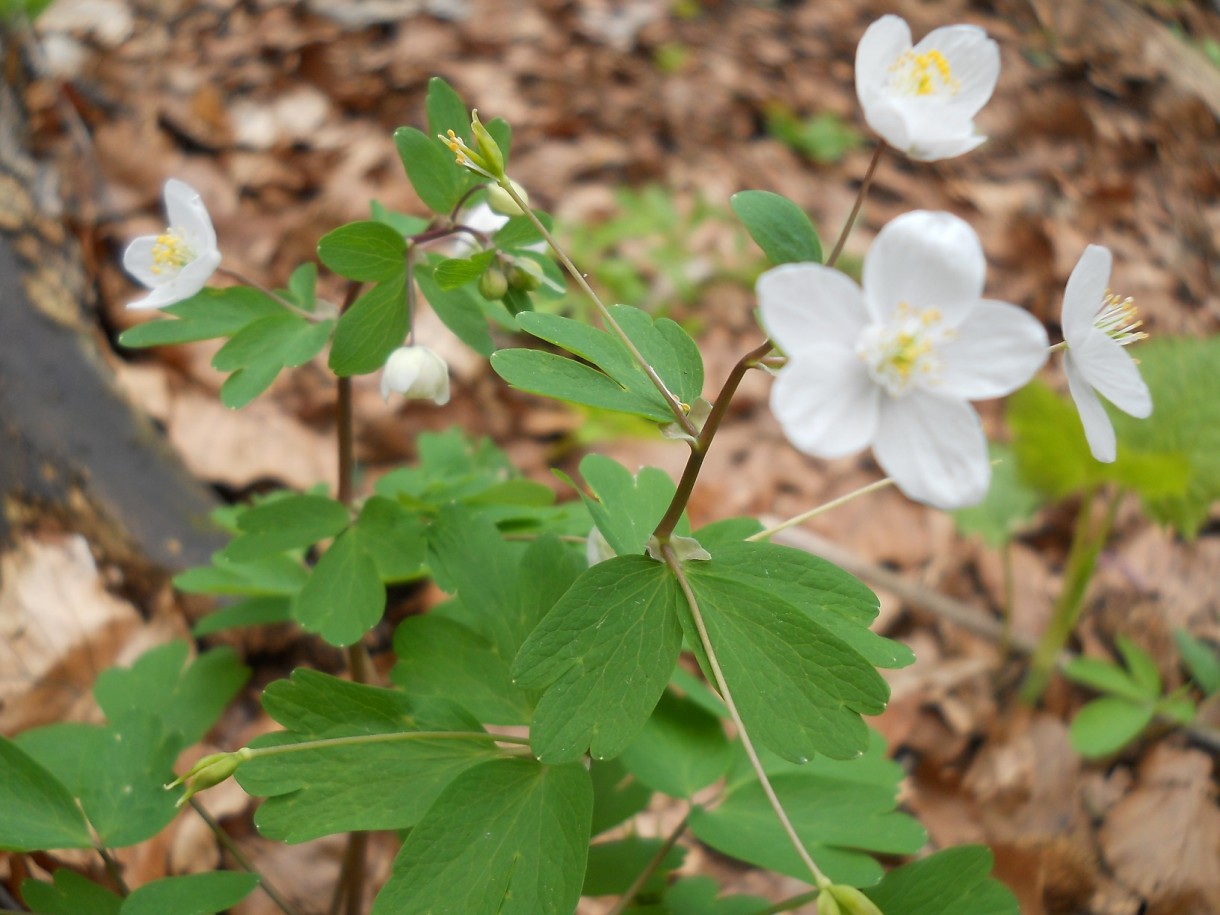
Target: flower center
1119,319
903,352
923,74
171,252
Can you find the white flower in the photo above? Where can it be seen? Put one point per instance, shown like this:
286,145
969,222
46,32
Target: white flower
1096,327
923,99
177,263
893,365
417,373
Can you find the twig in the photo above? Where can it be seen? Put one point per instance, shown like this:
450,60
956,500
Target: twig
650,868
240,857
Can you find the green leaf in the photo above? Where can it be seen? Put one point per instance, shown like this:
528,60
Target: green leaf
193,894
207,314
769,647
71,894
520,231
667,348
614,865
700,896
625,508
616,795
370,252
402,223
446,110
247,383
951,880
344,597
778,226
371,329
458,309
1107,678
1143,669
681,749
188,698
606,651
293,521
374,785
303,287
508,837
455,272
1106,725
255,611
563,379
1200,659
394,537
257,352
1052,454
438,657
1008,506
1182,375
274,576
843,812
123,776
39,811
430,168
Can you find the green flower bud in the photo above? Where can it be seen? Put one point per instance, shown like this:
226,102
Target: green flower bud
853,902
502,202
493,284
525,274
211,770
827,904
489,149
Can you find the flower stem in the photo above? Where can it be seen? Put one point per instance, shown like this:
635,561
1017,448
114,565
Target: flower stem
239,856
1087,541
356,740
113,869
855,210
675,407
703,441
722,685
650,868
824,507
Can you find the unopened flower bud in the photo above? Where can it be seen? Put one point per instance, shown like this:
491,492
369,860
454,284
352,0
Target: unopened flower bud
827,904
501,200
851,901
417,373
489,149
525,274
211,770
493,284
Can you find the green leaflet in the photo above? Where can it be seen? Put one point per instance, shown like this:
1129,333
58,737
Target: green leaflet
344,597
293,521
207,314
193,894
681,749
508,837
70,894
371,329
605,652
952,880
370,252
380,785
779,226
39,811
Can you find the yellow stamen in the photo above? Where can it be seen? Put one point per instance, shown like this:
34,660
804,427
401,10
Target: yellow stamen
1119,319
903,352
924,74
170,252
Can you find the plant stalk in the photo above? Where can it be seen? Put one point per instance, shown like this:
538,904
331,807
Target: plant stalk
240,857
855,210
650,868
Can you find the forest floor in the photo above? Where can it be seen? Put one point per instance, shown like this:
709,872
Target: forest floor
634,121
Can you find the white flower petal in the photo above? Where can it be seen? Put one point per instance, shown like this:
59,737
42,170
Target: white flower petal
417,373
880,45
826,403
889,121
138,261
925,260
159,297
943,146
935,450
188,215
1085,292
1098,431
1109,368
806,306
974,60
997,349
194,276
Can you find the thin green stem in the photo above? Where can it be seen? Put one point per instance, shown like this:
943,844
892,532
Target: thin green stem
410,293
825,507
722,685
680,415
243,861
855,210
356,740
113,869
1087,542
650,868
270,293
694,462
